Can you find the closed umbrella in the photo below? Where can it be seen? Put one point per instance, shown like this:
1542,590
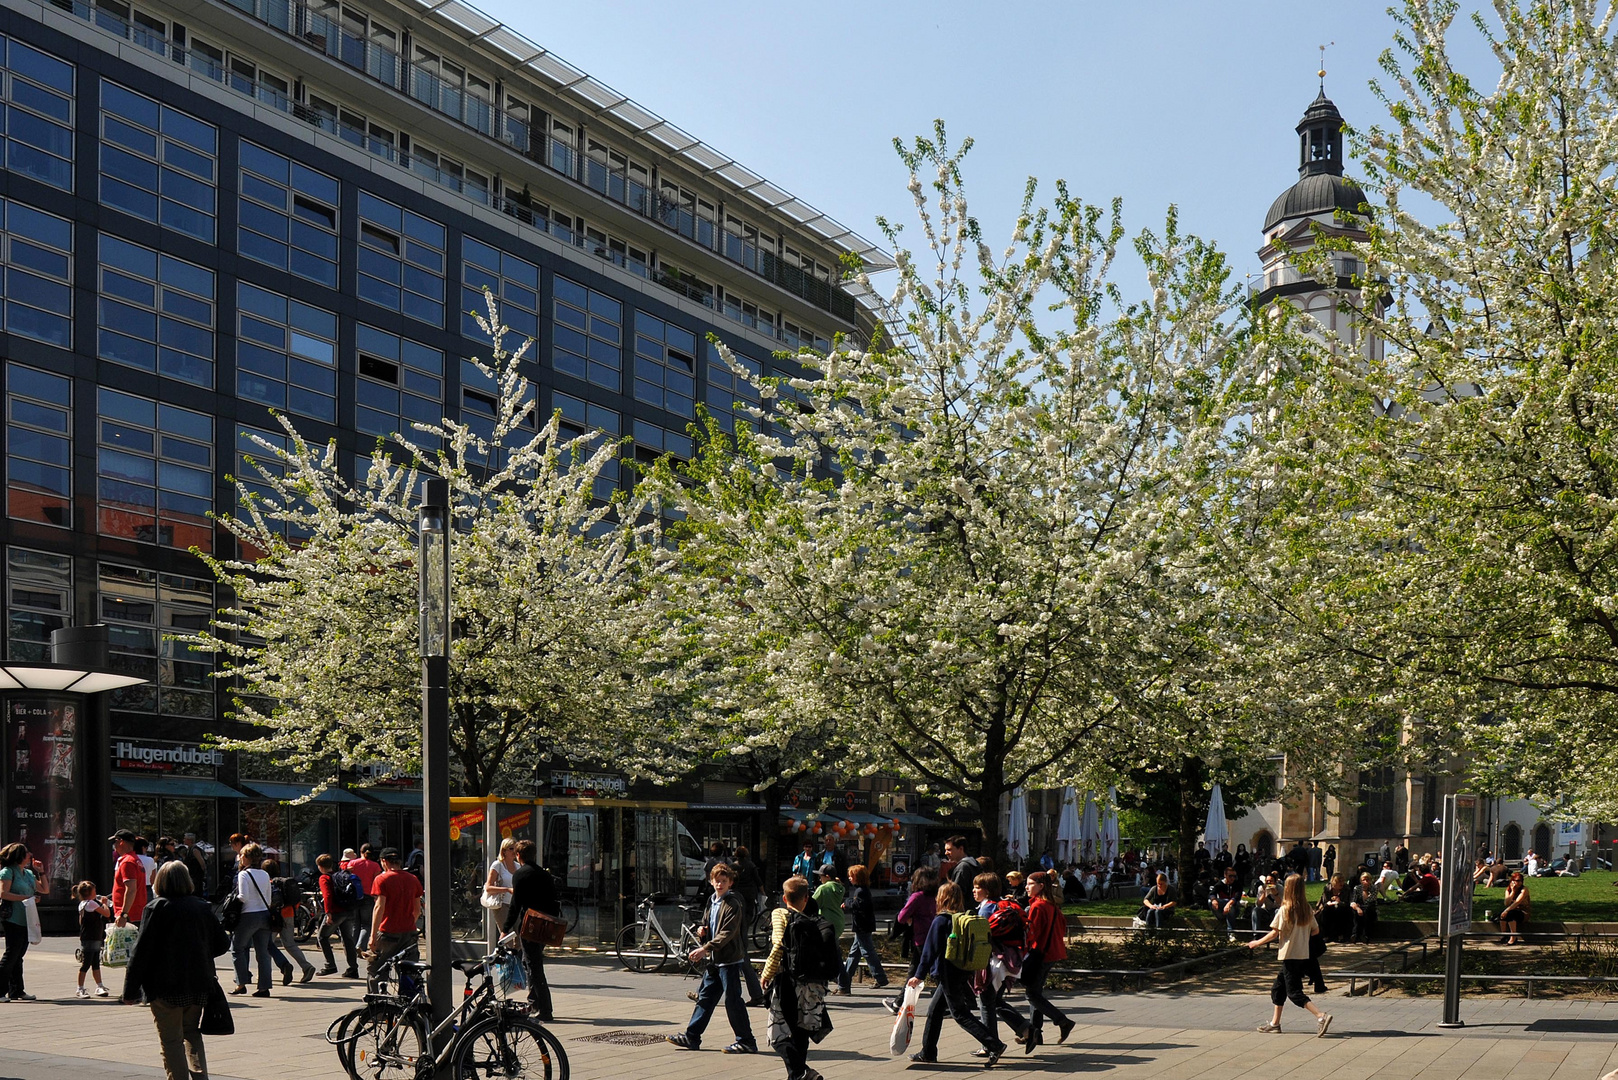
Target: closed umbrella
1109,826
1090,830
1069,840
1216,833
1017,830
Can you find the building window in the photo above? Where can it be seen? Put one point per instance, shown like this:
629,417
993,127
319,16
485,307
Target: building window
38,255
36,122
587,336
665,365
401,261
727,391
154,470
39,446
580,416
142,610
1376,802
252,460
286,353
287,215
515,285
155,312
39,599
157,162
400,382
653,441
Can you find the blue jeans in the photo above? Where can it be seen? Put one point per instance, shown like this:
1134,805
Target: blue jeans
721,982
1156,918
252,934
863,946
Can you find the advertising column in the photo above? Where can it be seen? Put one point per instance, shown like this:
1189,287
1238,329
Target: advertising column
42,754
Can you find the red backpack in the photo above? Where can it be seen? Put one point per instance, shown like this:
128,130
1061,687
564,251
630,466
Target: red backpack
1007,923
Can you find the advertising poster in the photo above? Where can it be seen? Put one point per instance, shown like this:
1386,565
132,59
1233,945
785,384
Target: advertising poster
42,752
1458,862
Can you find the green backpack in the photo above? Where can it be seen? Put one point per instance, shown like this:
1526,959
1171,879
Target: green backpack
968,944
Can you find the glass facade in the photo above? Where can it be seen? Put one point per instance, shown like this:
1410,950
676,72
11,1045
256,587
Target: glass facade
155,312
38,257
39,600
514,283
399,382
401,261
36,114
154,470
727,391
286,353
580,416
287,215
588,334
39,446
158,163
665,365
142,610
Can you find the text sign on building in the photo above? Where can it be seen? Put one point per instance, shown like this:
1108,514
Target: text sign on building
588,785
189,759
42,738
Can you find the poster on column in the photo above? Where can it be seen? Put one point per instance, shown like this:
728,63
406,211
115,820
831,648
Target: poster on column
42,749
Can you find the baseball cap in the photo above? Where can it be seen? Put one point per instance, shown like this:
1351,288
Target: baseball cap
391,854
125,835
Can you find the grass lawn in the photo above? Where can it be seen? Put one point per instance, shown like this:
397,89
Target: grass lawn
1590,898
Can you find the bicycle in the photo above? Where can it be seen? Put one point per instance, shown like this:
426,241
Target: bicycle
390,1037
758,931
644,945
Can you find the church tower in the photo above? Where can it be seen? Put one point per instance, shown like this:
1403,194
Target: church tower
1308,207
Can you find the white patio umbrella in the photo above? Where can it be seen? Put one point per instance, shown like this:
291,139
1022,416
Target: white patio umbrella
1089,830
1216,833
1069,840
1109,826
1017,830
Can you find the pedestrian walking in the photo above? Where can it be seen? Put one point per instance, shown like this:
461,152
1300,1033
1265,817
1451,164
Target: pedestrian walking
128,880
367,870
497,886
725,942
395,912
987,890
828,898
1329,862
252,933
861,910
285,895
172,966
340,897
954,996
804,865
21,880
798,1014
532,887
1294,926
1045,943
963,868
94,911
915,919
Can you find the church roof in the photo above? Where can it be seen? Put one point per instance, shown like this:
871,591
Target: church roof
1318,193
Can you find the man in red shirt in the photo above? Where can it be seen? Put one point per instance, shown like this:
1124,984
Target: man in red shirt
393,923
366,869
128,879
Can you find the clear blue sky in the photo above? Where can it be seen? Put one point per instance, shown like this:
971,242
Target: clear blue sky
1186,102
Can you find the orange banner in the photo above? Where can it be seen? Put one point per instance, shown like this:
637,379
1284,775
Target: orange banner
515,821
467,820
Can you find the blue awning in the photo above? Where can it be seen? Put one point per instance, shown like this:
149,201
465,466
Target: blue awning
176,787
289,792
394,796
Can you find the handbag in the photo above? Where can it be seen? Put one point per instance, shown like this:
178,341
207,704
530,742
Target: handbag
230,913
542,929
494,901
216,1018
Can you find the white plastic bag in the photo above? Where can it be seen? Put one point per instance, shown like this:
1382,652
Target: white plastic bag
905,1022
120,942
31,916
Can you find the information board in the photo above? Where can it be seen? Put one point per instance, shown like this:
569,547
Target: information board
42,750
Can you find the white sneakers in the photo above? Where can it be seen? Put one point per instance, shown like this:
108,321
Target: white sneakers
81,992
1269,1029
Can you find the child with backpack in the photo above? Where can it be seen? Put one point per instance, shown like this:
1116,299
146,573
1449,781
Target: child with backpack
94,911
1007,928
956,946
340,896
803,958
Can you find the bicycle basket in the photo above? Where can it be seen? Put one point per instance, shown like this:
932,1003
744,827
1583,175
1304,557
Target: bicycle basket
508,974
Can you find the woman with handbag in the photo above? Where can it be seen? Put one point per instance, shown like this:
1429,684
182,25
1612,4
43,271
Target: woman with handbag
249,910
497,888
21,879
533,888
173,966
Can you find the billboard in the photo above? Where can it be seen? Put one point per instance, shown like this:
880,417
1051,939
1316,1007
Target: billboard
1460,849
42,750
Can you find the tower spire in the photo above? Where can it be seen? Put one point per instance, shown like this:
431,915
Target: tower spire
1322,72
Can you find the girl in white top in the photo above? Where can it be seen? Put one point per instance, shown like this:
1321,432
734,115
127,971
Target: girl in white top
1294,925
497,889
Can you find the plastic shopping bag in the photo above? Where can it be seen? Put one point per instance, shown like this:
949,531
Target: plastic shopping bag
31,916
905,1022
120,942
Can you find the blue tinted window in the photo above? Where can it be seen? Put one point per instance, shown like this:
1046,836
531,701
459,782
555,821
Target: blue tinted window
154,469
287,216
281,376
728,391
36,114
665,365
130,330
592,350
138,135
39,446
514,283
399,274
36,249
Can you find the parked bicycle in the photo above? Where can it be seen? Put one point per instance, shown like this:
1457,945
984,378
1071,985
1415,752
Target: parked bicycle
306,918
646,944
391,1037
758,931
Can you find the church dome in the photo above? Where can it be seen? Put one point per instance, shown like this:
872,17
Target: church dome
1321,188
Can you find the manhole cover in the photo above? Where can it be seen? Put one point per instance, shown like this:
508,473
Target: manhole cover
624,1038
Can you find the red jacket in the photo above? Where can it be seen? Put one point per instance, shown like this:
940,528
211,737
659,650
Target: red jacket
1047,931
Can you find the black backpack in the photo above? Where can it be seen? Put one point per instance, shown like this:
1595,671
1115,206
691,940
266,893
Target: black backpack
345,890
285,892
812,954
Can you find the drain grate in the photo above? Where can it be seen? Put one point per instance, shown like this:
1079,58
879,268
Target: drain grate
624,1038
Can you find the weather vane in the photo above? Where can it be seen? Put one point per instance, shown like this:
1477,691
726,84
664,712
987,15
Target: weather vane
1322,71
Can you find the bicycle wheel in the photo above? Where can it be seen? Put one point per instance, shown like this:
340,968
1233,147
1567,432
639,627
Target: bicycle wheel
510,1048
642,948
305,921
339,1036
389,1043
758,935
570,913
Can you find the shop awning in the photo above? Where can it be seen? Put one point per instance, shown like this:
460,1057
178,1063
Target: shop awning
743,806
394,796
858,817
914,819
176,787
288,792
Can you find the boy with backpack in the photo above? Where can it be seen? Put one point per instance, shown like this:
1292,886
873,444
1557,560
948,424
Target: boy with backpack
956,946
340,896
803,958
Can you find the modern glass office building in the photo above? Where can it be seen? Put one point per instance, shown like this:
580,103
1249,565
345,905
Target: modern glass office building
211,209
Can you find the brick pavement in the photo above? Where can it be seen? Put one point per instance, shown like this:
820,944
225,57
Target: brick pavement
1207,1036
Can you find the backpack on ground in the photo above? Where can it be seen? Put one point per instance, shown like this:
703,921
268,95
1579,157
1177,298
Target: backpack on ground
345,890
812,954
1007,923
968,944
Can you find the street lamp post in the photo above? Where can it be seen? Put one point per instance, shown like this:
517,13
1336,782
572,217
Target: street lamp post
432,569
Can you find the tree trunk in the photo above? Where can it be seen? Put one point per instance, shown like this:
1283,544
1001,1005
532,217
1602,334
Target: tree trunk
769,838
1190,790
989,790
